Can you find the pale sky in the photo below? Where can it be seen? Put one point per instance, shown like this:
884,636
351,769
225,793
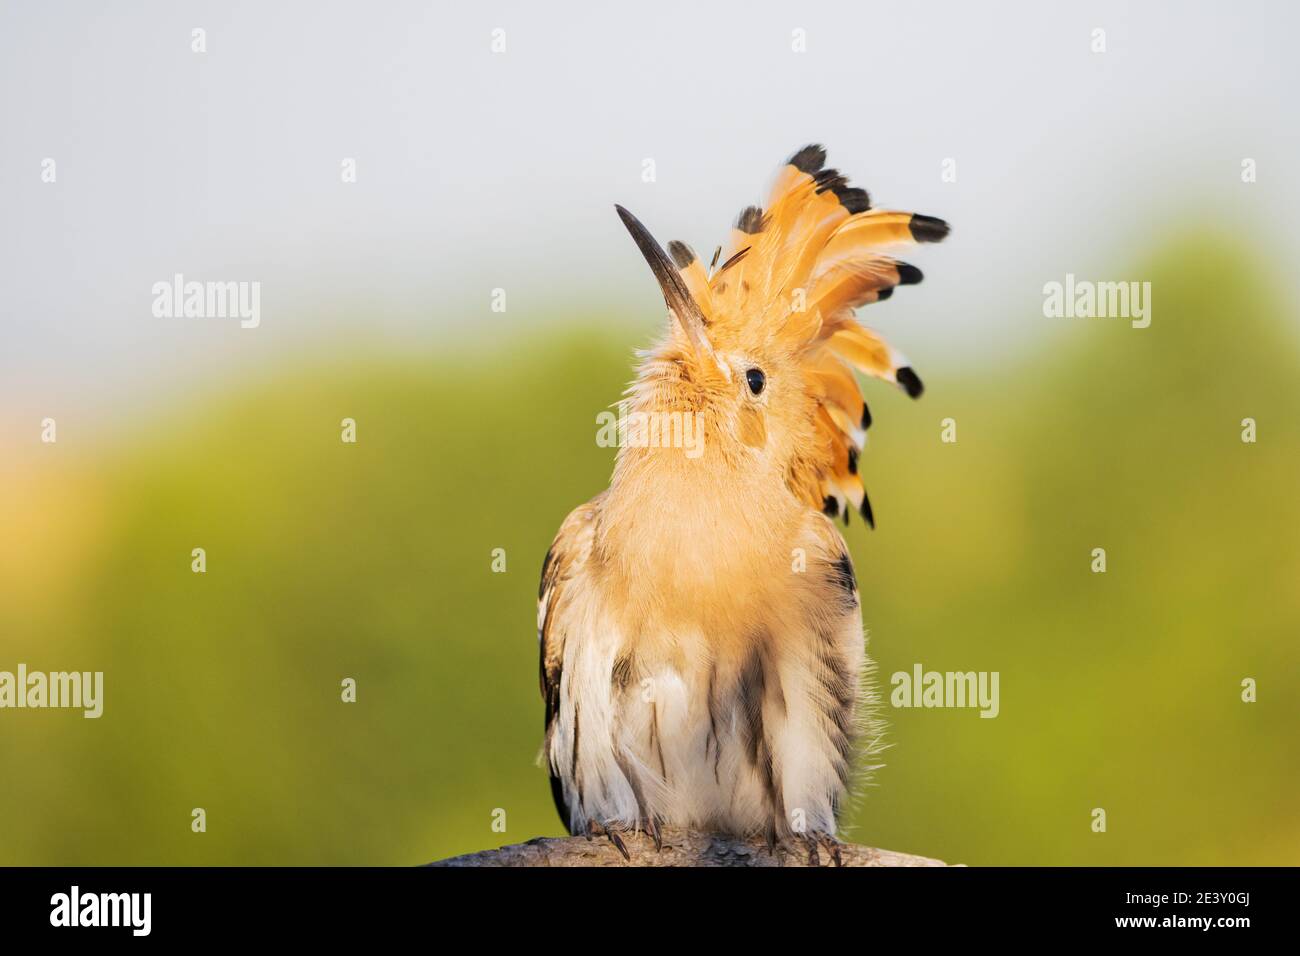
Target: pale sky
478,170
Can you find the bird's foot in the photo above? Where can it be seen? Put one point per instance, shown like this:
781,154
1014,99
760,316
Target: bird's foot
823,841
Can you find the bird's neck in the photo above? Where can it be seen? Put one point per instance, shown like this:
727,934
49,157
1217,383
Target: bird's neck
694,528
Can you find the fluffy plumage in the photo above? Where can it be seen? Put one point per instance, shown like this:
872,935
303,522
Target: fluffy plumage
702,655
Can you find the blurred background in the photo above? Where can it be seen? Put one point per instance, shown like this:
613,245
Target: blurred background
479,170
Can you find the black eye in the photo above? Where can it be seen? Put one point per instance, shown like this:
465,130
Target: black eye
756,380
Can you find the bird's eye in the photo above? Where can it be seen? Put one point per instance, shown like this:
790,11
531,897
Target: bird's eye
756,380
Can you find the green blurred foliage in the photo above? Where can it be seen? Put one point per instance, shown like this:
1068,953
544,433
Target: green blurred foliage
373,561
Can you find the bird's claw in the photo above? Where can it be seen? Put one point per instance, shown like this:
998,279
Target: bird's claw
652,828
612,833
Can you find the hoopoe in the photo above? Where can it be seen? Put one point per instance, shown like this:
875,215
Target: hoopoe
703,662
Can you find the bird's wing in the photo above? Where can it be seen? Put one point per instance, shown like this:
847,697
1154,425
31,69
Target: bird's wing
566,558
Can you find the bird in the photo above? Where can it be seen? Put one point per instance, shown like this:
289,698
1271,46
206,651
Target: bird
702,656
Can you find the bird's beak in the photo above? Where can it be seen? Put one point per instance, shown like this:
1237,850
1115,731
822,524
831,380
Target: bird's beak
678,297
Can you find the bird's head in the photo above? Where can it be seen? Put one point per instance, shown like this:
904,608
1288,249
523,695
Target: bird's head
760,349
746,388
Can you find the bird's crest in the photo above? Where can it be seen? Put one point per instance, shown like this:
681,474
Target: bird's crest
790,279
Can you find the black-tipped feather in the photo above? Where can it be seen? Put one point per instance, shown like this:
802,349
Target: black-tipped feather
910,382
830,179
809,159
927,228
853,199
908,274
682,254
750,220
